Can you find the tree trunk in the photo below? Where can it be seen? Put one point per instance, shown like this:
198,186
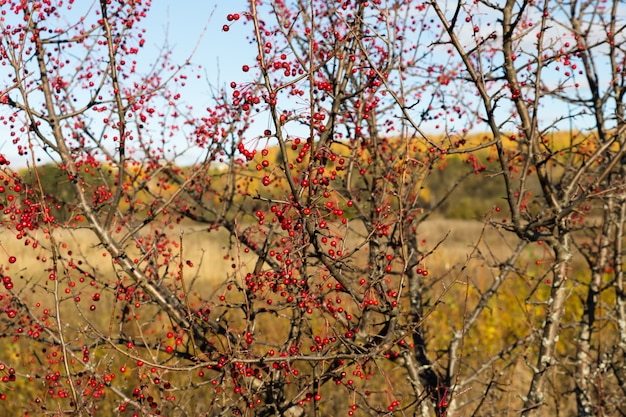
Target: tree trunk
535,400
584,358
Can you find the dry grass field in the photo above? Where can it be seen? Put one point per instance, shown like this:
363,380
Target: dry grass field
461,255
213,253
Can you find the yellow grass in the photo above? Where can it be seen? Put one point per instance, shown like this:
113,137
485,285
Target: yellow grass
213,256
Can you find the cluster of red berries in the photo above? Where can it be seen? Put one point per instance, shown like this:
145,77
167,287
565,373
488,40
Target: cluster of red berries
231,18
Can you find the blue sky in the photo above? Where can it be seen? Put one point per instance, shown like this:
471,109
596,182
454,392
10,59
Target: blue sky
181,25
